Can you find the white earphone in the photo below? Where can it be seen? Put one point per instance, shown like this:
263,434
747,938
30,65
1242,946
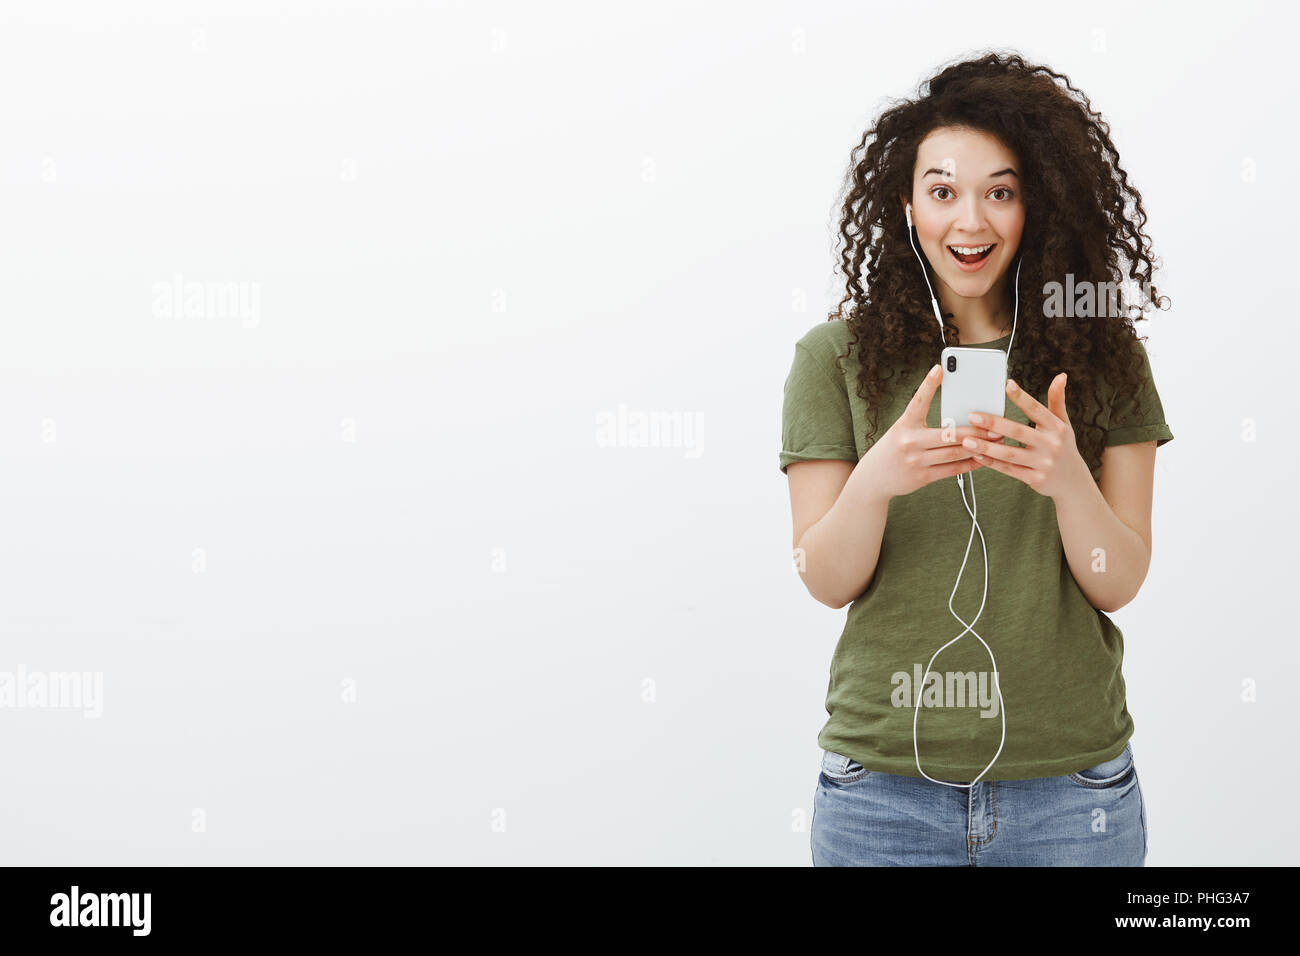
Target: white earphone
971,510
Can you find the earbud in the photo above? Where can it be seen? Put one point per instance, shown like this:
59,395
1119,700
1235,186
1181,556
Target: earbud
908,210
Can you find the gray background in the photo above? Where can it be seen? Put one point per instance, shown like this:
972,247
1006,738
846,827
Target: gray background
473,229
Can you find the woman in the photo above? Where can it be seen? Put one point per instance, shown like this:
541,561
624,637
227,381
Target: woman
1011,746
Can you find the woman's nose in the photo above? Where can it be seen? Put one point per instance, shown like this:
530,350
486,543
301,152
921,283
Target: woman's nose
970,215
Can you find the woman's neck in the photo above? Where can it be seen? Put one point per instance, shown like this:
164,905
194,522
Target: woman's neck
976,321
985,333
980,319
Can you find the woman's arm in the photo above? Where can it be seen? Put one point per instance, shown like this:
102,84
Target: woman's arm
1106,528
839,522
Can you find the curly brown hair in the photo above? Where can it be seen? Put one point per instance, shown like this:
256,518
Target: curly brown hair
1078,219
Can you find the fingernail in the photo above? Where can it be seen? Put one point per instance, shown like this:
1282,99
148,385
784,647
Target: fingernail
934,371
1011,385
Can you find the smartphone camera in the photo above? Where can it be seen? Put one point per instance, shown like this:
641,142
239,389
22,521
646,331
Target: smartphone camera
952,363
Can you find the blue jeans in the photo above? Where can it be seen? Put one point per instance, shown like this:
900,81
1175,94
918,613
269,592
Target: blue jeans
1095,817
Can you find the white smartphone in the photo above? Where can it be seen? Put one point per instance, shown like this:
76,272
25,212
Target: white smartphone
974,380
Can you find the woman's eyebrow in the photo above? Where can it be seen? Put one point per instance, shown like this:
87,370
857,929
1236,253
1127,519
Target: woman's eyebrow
944,172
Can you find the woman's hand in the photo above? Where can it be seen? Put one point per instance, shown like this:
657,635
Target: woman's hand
911,454
1050,462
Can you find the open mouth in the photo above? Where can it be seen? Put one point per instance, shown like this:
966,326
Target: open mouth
972,255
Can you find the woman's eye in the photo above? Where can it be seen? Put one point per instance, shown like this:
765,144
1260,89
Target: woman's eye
937,189
1004,189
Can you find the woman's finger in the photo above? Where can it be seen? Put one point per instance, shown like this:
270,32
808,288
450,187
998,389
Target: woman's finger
943,456
1008,453
920,404
948,437
1034,410
1018,472
1003,427
948,470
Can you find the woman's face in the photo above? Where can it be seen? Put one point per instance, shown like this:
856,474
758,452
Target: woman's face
966,193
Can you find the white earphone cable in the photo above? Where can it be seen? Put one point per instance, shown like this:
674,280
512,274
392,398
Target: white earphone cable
971,509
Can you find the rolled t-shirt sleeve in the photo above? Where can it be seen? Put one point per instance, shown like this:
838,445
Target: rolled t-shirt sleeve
816,420
1137,418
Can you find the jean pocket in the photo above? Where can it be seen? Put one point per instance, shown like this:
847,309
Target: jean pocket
1109,773
841,769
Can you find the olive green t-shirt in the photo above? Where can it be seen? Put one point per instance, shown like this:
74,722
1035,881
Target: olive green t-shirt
1058,658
